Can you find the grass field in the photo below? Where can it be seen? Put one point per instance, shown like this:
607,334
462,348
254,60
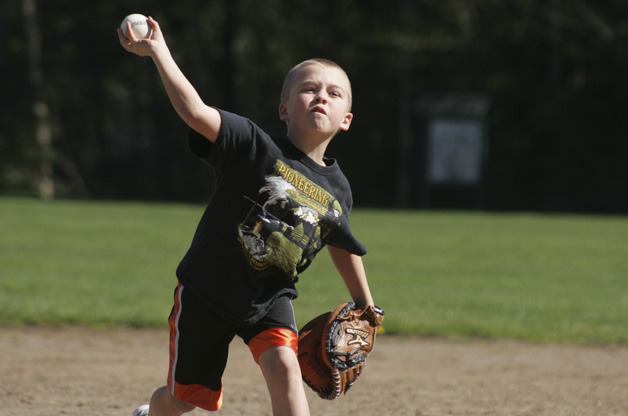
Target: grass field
539,278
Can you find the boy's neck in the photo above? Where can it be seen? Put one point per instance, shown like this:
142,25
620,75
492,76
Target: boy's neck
313,148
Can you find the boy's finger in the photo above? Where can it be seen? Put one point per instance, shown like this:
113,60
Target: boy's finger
130,32
121,34
155,30
123,40
152,23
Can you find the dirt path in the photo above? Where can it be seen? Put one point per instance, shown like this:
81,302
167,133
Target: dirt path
77,371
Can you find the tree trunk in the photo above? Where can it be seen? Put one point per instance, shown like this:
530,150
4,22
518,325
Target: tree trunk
43,133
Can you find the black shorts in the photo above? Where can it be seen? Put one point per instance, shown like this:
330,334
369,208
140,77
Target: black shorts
199,345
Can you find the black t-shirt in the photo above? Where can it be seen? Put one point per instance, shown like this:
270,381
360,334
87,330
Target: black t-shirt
273,209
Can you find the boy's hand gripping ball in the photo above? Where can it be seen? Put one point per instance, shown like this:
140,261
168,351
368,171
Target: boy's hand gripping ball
139,26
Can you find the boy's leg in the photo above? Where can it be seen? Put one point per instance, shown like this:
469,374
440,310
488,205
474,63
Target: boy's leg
163,404
273,341
283,377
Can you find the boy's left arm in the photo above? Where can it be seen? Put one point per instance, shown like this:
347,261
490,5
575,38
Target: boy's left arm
351,269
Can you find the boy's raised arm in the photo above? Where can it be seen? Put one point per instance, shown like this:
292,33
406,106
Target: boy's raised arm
184,98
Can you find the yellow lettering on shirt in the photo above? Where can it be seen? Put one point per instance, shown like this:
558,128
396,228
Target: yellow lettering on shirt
311,195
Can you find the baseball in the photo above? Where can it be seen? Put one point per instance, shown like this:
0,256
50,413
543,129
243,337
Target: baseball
139,25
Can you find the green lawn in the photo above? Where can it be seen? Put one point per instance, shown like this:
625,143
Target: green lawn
540,278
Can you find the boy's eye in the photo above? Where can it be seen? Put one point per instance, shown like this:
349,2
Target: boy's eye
335,94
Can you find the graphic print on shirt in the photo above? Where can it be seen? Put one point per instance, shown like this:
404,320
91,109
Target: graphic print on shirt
287,231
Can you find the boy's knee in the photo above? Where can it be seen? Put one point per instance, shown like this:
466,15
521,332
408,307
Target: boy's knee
280,362
163,400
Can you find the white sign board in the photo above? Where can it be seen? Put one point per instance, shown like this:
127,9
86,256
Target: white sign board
455,151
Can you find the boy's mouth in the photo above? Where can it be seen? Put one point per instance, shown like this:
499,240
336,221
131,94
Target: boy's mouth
318,109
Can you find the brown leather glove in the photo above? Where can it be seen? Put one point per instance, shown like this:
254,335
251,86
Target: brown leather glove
333,347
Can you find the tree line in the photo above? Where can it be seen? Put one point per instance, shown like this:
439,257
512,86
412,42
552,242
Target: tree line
82,118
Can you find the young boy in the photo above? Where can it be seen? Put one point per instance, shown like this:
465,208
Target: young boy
278,202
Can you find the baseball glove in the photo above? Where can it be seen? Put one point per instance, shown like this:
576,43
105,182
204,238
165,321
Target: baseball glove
333,348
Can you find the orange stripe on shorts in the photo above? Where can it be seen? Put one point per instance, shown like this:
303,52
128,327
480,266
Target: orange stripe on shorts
199,396
195,394
173,323
270,338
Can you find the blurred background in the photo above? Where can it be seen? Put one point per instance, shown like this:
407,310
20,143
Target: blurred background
489,105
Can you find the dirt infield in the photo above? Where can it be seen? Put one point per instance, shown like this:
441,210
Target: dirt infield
77,371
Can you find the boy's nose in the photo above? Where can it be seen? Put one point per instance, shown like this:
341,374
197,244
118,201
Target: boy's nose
320,98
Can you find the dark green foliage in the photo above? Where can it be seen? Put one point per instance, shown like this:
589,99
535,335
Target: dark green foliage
554,71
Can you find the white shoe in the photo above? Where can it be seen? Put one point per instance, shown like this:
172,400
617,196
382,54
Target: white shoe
141,411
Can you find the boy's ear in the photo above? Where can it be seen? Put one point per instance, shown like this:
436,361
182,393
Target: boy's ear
346,122
283,112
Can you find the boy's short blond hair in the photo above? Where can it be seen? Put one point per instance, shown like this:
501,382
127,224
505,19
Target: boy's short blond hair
320,61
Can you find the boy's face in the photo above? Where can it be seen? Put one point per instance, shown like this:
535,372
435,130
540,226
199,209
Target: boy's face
317,102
